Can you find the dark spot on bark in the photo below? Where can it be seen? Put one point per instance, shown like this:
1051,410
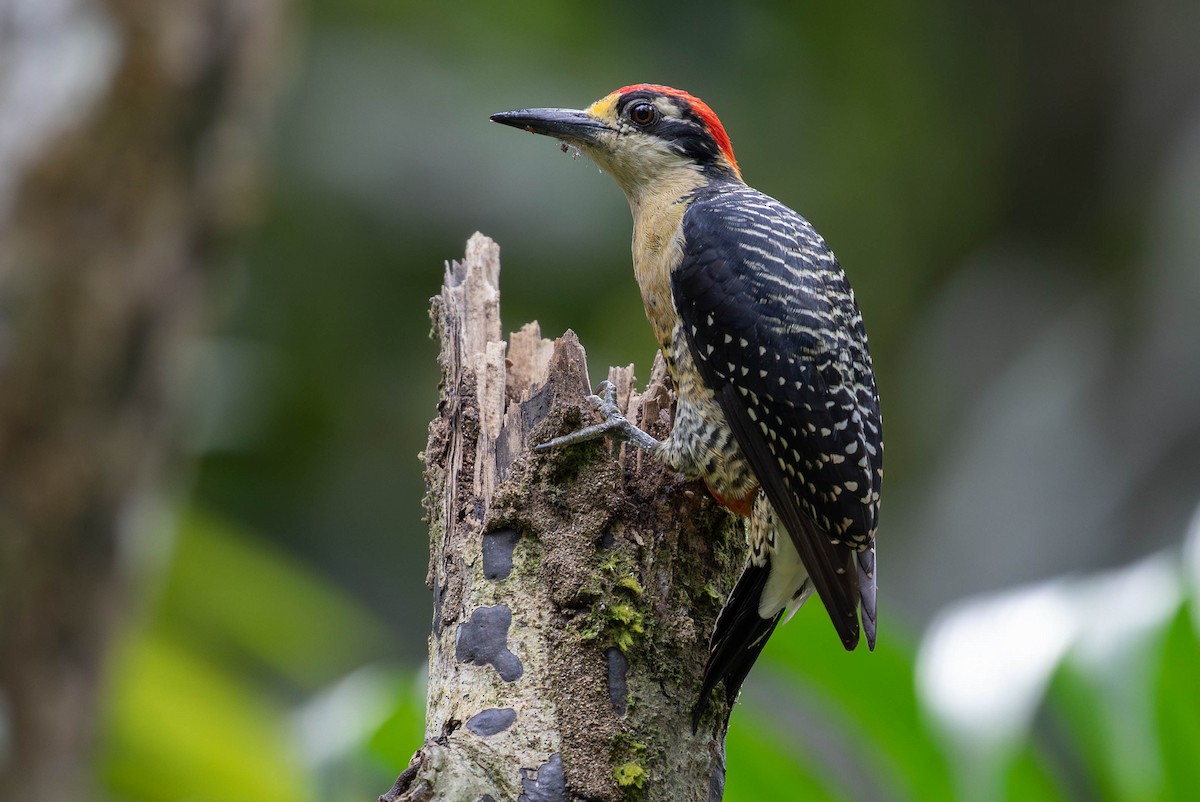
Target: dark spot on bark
439,593
618,686
606,540
491,721
484,641
498,548
547,784
485,798
716,782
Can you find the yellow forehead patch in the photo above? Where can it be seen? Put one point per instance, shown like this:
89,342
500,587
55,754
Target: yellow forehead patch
605,108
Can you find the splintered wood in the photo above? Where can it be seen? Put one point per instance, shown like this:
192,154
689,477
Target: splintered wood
566,583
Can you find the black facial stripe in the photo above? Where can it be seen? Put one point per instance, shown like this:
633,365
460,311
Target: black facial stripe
688,139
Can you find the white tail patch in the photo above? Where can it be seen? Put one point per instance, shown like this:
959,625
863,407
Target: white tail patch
787,576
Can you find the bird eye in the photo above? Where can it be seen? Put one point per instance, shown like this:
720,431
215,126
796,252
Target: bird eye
643,114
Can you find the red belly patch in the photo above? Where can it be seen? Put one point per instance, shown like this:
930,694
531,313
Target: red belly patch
741,505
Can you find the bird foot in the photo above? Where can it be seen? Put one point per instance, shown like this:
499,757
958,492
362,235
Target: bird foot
615,425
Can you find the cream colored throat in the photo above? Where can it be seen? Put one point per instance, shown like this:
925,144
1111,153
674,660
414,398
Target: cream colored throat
658,246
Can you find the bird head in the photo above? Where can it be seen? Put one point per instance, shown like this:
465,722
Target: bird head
640,135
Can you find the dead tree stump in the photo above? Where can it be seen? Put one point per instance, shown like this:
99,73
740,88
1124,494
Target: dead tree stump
574,591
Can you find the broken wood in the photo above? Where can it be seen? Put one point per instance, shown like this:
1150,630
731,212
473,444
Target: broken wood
574,590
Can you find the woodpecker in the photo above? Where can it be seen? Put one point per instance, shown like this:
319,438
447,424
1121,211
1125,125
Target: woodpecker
777,407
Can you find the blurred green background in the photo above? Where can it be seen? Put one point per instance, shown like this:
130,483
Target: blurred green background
1014,190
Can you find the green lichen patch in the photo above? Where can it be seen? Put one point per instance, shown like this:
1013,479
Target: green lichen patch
630,775
629,758
626,624
631,584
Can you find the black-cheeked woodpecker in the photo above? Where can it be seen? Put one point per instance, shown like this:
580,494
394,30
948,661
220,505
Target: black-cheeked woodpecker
777,407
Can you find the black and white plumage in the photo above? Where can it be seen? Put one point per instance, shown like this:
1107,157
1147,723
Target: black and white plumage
777,405
774,330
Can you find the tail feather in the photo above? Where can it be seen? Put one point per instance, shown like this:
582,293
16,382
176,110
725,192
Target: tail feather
866,593
742,631
739,637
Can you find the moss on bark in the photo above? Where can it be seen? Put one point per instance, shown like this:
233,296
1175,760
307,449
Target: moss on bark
616,574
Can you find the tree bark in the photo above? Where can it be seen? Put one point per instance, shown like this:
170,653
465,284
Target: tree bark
574,590
126,163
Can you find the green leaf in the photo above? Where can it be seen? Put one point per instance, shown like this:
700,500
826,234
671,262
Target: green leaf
181,728
758,767
1177,709
869,696
1028,777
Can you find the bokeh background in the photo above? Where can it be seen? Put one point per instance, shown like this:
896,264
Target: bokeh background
1014,191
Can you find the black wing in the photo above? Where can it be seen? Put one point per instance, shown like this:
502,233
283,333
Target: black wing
774,329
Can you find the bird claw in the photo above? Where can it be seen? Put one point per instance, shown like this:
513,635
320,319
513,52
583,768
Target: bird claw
615,425
606,404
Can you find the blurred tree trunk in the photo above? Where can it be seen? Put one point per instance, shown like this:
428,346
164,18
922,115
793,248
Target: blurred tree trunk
573,592
126,145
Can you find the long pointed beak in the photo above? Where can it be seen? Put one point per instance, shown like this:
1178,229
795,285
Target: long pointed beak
577,127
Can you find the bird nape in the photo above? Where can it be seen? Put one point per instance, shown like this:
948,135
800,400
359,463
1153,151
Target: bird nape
777,408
